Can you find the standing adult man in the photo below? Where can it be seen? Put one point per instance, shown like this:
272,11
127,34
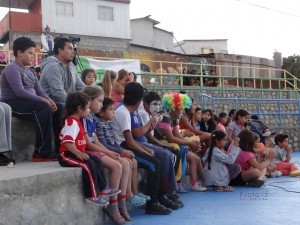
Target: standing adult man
47,41
59,75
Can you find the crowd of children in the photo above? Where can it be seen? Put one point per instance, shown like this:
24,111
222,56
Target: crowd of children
120,126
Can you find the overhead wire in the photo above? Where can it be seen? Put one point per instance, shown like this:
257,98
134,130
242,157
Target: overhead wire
267,8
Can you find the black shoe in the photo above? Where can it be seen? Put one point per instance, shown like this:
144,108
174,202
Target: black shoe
255,183
156,208
4,160
175,198
168,203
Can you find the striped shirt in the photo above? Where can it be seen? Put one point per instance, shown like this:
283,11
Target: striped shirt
106,135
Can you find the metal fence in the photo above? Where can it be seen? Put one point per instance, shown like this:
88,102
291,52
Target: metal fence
282,109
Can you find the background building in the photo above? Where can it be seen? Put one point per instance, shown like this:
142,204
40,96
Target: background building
145,34
101,24
195,47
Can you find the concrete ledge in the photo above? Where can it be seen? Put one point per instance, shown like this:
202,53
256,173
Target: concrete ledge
44,193
23,139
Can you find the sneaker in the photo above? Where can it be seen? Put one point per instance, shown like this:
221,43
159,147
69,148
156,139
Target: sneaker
147,197
198,187
181,189
49,158
98,201
168,203
175,198
5,161
155,208
276,174
109,192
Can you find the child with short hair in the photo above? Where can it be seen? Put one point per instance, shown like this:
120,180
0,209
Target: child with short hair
72,152
107,138
283,156
121,124
118,166
196,118
216,167
140,133
151,109
88,76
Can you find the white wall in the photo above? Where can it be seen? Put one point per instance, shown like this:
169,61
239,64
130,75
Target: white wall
142,32
194,46
85,19
163,40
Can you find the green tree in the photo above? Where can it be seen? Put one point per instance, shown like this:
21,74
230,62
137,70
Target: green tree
292,64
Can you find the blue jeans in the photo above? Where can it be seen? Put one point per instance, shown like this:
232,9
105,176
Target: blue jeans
166,158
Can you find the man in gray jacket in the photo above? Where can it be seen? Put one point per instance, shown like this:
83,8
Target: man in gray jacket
59,75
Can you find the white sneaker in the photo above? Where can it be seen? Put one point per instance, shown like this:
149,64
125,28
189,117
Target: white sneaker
198,187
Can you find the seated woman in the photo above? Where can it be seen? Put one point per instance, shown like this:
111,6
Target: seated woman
117,93
21,90
5,134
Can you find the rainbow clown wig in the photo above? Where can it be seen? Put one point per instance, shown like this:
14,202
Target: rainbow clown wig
174,100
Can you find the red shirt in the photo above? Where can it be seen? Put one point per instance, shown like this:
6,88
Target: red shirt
72,132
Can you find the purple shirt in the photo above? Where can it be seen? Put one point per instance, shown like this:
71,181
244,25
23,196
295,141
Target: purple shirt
20,82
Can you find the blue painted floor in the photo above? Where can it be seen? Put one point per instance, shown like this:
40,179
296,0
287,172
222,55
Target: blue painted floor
257,206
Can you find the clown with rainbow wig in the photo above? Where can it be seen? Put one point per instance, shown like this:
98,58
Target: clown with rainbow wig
174,100
168,130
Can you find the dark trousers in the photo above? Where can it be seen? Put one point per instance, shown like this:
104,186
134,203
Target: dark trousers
167,171
155,180
92,172
44,120
176,159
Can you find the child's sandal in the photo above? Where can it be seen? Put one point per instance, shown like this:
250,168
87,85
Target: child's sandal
125,215
119,220
136,201
113,213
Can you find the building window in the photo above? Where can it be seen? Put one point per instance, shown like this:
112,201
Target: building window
206,51
64,8
105,13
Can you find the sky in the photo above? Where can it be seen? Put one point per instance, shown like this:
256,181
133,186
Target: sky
252,27
272,25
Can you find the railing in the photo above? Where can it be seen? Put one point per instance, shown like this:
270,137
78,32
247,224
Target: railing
227,83
229,77
162,67
258,101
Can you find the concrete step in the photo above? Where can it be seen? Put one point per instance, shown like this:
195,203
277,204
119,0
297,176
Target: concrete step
45,193
23,139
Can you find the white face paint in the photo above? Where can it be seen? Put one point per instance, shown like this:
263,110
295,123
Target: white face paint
181,113
155,107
